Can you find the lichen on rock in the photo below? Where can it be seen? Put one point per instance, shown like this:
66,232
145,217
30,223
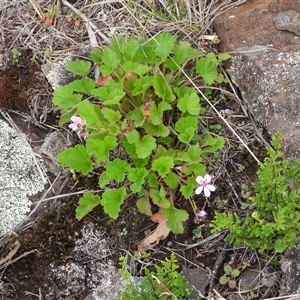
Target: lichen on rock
19,178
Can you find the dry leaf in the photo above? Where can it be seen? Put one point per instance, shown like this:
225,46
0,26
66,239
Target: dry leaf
160,233
77,22
48,21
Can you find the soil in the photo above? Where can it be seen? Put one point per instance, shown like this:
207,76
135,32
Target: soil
50,240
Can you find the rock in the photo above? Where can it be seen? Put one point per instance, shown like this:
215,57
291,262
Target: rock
54,143
20,176
288,20
265,65
290,266
55,71
198,280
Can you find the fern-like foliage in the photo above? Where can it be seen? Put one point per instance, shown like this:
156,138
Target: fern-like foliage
274,221
164,283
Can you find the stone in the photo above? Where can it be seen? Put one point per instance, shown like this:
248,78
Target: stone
21,176
198,280
56,72
265,63
290,265
288,20
54,143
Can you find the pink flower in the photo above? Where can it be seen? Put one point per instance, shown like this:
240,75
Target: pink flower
204,185
200,215
77,123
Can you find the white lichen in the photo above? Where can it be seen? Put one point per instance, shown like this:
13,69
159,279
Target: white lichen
19,177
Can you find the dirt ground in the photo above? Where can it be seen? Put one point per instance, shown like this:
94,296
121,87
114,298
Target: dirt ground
51,241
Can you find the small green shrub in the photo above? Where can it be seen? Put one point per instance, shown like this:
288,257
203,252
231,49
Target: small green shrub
274,221
139,124
163,283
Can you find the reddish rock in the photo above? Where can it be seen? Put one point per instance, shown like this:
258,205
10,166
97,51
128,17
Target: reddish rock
266,63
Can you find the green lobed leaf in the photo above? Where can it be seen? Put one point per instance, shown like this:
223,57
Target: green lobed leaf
64,98
163,165
207,69
118,45
156,112
141,85
213,143
145,53
117,169
103,179
187,135
161,151
164,139
133,137
157,130
79,67
84,85
223,56
66,117
76,158
142,69
96,56
129,66
159,197
86,204
144,206
152,180
189,189
137,115
110,61
190,104
166,42
175,217
108,95
137,177
195,169
192,155
171,180
111,115
100,148
162,88
112,201
88,112
129,49
145,146
185,122
183,52
184,91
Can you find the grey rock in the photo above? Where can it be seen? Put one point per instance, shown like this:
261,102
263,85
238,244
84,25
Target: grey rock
54,143
20,176
89,270
265,64
198,280
290,265
56,73
288,20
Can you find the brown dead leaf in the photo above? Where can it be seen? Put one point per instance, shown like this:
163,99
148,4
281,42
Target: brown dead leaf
77,23
102,80
48,21
157,217
160,233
